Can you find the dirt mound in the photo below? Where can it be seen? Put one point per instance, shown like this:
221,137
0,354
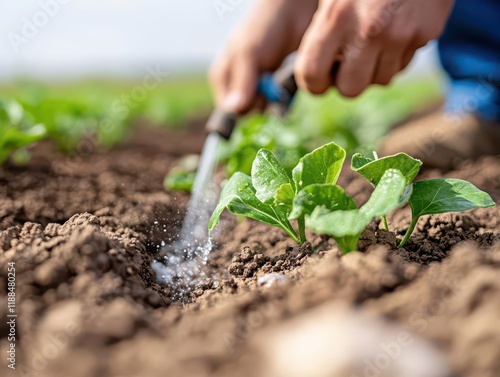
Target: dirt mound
83,234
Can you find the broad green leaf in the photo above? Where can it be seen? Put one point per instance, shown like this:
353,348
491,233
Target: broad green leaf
284,196
432,196
331,197
267,176
13,139
386,196
323,165
239,197
373,170
17,130
346,226
11,112
358,161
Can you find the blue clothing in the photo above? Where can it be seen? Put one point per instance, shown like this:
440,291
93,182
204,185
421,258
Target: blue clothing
469,49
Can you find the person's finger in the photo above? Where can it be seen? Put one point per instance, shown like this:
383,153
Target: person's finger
408,56
219,80
356,73
318,51
242,86
389,63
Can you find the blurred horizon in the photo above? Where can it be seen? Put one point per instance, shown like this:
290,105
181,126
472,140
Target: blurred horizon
120,39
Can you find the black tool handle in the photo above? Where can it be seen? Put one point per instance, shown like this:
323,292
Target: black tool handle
222,123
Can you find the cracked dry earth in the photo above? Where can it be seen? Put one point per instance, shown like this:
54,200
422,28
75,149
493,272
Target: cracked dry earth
83,233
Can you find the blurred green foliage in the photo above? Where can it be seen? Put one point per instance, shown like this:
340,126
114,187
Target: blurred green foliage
17,130
260,131
105,111
179,180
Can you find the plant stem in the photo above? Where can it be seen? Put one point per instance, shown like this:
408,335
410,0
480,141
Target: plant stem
293,235
410,230
347,244
384,219
302,229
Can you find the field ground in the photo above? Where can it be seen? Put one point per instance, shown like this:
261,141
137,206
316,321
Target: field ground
83,232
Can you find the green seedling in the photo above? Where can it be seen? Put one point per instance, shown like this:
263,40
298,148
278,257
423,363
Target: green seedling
271,196
346,226
312,198
17,130
426,197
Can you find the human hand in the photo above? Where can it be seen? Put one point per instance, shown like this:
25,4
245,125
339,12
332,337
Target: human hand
260,44
372,39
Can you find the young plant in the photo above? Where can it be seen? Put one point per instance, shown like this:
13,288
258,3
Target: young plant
311,196
346,226
271,196
426,197
17,130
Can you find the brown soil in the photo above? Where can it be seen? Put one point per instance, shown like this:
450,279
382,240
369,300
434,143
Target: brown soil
83,233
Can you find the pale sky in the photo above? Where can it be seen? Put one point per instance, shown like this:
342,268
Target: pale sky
115,37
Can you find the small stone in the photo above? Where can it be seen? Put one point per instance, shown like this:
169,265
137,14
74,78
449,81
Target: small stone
269,280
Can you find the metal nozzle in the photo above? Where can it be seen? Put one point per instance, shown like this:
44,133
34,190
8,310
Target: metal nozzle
221,122
285,78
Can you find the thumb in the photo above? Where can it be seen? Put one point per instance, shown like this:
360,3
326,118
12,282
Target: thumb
242,87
